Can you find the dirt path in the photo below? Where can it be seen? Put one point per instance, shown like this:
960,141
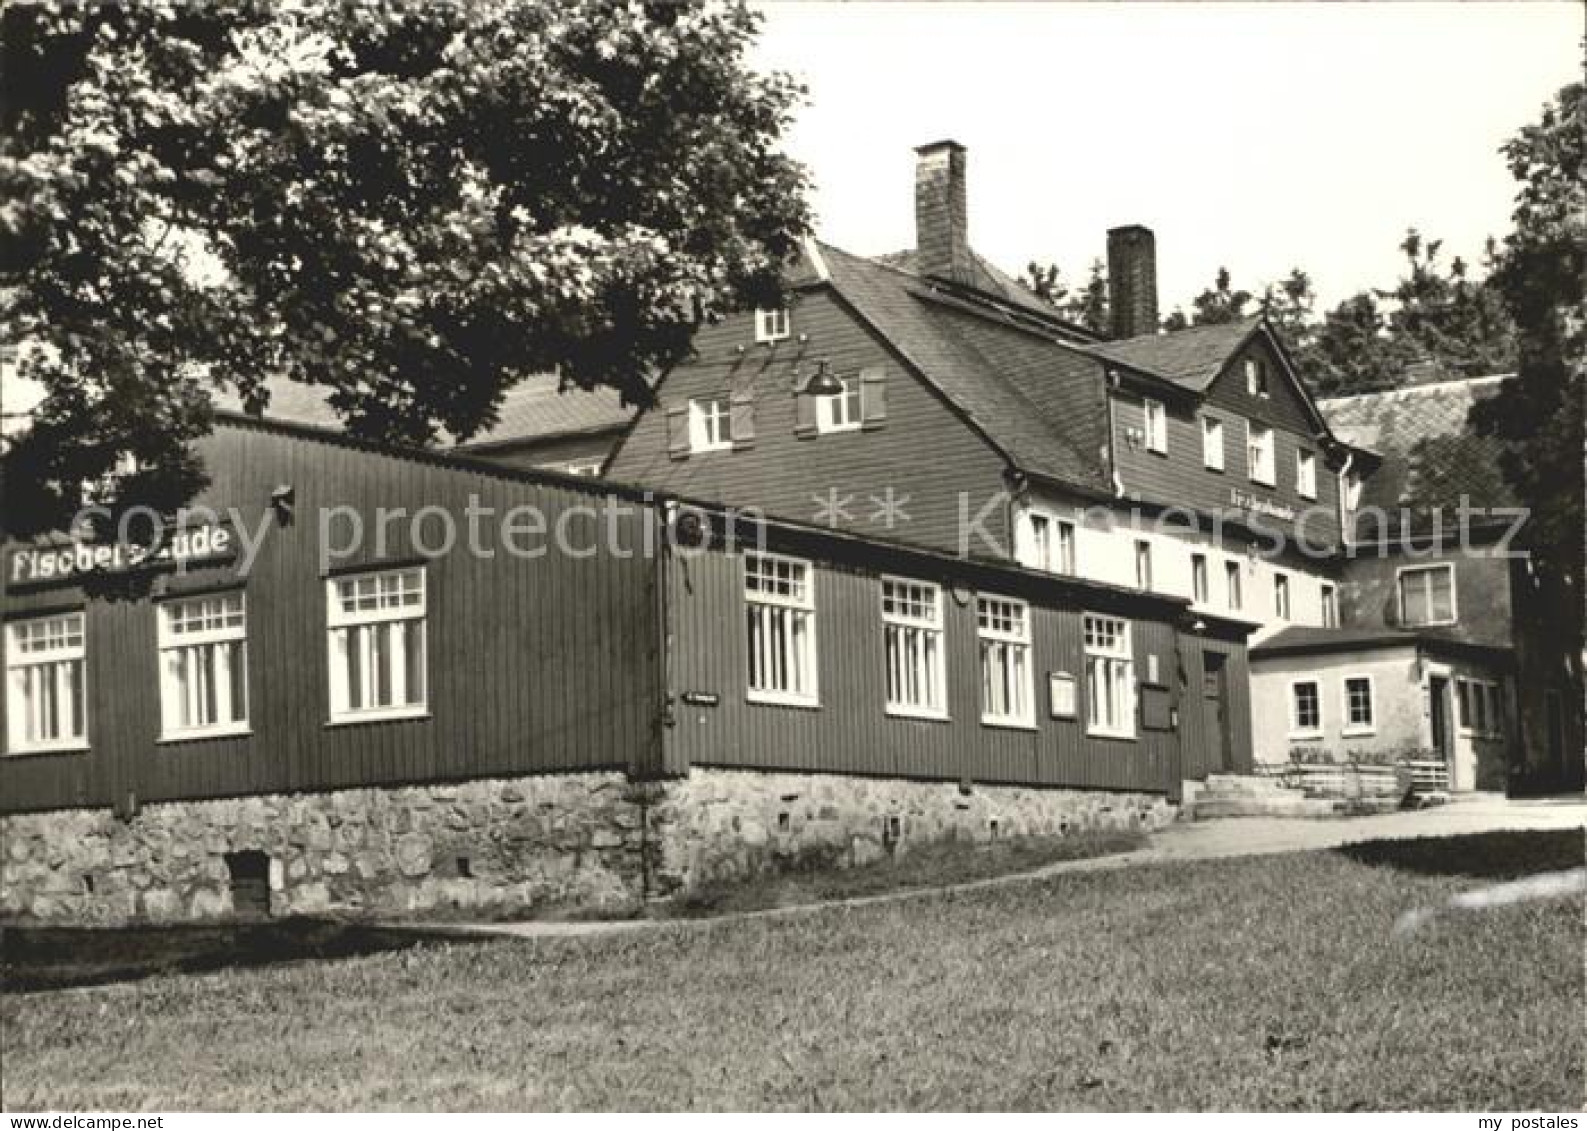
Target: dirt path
1198,840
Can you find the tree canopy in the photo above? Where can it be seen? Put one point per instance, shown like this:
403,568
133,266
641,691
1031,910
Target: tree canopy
411,206
1540,415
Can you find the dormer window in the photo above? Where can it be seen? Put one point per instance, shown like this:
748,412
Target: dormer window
710,425
1256,377
771,325
841,412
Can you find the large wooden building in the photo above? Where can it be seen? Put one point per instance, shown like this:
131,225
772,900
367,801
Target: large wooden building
366,679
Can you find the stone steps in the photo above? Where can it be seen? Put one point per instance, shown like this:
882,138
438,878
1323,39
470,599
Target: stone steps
1229,795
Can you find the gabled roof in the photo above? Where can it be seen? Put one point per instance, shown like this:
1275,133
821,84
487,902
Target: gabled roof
537,408
1311,638
1192,357
1431,454
531,410
987,279
1033,398
1301,640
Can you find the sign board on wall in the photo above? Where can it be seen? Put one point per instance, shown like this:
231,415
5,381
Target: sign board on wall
62,562
1061,696
1258,505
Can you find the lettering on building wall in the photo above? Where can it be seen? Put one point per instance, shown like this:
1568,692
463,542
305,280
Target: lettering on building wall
1247,501
40,565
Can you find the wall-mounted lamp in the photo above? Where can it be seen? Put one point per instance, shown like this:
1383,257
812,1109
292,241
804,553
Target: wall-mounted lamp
823,384
282,500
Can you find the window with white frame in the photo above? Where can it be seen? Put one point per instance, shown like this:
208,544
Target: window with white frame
1360,711
840,412
1256,377
1007,693
780,626
583,467
1281,596
376,623
1305,718
203,643
1212,443
1198,579
771,325
1306,474
1110,677
710,425
1156,424
46,700
1329,598
912,631
1052,543
1481,707
1427,595
1260,453
1143,564
1232,589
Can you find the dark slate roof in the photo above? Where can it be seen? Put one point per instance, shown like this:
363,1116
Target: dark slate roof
537,409
987,278
1037,400
1431,454
1308,638
1298,640
532,410
1191,357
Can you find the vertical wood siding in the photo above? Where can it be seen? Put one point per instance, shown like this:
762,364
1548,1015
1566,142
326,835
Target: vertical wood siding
850,732
923,451
533,665
1181,477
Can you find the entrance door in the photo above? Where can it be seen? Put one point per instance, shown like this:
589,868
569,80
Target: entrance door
1214,692
1443,733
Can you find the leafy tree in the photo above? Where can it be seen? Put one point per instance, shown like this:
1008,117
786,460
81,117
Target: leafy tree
1288,305
1087,307
1217,304
411,206
1458,324
1539,415
1045,281
1352,350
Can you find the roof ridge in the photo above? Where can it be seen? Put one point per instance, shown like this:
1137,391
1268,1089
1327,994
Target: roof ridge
1425,386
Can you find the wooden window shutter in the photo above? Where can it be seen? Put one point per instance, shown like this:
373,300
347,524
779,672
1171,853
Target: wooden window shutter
678,431
873,398
804,415
743,420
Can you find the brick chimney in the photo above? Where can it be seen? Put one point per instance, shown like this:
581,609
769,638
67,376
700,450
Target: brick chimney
942,233
1132,281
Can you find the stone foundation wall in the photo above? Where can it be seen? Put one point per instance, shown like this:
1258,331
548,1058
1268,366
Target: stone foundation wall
591,842
730,824
480,848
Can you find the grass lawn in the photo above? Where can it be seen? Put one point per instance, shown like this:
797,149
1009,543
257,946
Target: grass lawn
932,865
1272,982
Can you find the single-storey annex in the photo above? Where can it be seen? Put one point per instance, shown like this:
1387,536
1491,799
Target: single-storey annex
280,717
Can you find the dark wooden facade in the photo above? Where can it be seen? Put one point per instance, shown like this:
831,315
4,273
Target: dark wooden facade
851,730
1180,476
534,665
923,449
559,663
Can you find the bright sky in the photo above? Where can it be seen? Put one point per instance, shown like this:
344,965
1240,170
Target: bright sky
1257,137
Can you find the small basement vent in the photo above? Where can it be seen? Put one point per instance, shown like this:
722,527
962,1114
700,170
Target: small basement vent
250,884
